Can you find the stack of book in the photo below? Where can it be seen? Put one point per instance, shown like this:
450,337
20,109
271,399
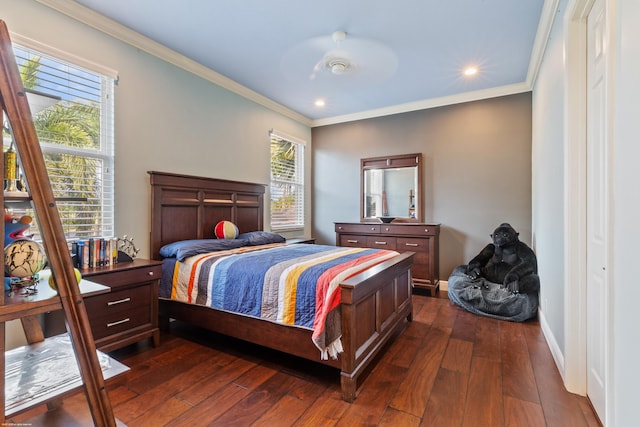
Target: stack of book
95,252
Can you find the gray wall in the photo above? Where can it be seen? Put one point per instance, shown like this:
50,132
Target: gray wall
548,183
477,170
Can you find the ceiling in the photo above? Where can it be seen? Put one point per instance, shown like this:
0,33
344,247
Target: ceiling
401,55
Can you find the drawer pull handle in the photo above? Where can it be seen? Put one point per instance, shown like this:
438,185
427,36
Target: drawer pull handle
426,230
381,243
339,228
411,244
120,301
373,229
352,241
151,273
119,322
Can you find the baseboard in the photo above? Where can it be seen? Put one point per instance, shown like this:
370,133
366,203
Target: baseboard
444,285
556,352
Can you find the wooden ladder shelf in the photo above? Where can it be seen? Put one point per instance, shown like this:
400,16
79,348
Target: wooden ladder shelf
15,105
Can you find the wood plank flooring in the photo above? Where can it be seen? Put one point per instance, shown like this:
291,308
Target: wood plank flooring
448,368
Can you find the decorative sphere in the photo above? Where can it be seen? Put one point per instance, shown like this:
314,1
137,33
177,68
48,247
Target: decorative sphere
52,282
226,230
23,258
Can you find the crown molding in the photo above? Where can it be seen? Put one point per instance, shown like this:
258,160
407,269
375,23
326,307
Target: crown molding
102,23
547,17
427,103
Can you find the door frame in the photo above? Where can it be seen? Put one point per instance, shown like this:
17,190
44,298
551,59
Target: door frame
575,211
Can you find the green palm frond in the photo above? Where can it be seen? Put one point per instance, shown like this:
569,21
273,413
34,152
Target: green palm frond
69,124
29,72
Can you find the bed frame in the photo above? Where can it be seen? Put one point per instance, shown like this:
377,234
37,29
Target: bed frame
375,304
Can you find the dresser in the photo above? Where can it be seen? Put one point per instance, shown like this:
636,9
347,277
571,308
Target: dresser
402,237
128,313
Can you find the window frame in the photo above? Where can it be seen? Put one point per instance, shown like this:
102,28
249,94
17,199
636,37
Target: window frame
296,181
103,154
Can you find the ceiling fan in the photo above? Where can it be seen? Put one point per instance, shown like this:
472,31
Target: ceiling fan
337,61
340,56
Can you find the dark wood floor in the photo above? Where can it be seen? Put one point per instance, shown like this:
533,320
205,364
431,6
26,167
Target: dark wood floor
448,368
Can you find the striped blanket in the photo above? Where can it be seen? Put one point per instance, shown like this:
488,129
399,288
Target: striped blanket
295,285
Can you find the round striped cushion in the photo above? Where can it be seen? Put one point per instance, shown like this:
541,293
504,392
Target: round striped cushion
226,230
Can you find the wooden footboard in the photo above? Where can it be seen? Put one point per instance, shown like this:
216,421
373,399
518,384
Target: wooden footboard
375,304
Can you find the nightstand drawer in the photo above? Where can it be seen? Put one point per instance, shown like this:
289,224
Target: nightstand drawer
119,301
116,279
129,313
114,323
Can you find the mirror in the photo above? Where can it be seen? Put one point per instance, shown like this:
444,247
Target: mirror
391,188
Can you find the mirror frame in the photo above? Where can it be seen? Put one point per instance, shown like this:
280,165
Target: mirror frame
394,162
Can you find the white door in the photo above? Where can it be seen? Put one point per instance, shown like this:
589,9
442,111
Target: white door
597,209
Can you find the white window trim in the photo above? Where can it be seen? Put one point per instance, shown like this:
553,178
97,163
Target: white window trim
63,56
273,133
283,135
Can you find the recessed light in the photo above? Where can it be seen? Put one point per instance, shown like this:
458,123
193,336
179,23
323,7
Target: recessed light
319,103
470,71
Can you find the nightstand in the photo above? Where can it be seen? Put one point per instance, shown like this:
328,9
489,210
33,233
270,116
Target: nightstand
129,313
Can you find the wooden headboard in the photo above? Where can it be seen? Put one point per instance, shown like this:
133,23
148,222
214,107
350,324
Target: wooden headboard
188,207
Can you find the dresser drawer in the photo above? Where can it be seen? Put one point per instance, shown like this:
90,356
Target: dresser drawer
113,323
353,241
412,244
116,279
381,242
411,229
357,228
119,301
422,257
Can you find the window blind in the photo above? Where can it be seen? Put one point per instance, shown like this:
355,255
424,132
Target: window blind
287,182
75,129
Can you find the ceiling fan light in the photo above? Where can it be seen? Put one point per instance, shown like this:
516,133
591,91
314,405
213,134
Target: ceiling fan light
338,68
337,65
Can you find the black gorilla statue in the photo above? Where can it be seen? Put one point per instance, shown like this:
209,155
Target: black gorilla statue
508,261
501,281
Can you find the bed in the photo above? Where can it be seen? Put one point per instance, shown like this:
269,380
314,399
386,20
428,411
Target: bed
375,304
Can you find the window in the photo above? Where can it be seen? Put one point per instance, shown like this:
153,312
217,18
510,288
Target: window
287,182
72,110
